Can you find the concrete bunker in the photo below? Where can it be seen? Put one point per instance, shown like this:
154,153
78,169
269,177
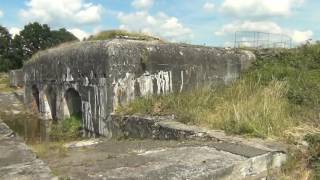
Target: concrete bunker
93,78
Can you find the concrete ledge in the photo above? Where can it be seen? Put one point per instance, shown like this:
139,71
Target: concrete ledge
166,128
261,156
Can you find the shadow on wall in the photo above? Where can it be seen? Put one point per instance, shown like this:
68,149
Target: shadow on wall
36,99
74,104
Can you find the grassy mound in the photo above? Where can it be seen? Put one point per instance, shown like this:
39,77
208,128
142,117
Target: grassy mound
111,34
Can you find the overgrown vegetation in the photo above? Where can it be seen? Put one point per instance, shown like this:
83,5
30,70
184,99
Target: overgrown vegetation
111,34
69,129
243,108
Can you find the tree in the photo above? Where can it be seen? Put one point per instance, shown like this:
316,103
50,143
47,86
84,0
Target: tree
16,54
35,37
62,36
5,44
5,41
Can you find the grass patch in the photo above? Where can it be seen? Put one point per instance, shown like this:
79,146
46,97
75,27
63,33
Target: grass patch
44,150
4,83
67,130
111,34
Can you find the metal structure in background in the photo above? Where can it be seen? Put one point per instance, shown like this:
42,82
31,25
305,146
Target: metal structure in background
258,40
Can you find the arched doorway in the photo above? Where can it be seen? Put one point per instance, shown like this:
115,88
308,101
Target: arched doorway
36,98
74,104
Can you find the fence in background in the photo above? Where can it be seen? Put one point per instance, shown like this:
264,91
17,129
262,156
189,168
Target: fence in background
258,40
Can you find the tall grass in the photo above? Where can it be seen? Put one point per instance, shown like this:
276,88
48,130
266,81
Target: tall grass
242,108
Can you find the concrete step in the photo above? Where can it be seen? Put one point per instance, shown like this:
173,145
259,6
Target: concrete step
249,158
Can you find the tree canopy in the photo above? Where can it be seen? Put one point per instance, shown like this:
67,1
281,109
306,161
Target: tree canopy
32,38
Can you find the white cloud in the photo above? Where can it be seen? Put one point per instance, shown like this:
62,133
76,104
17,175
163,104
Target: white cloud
1,14
80,34
14,31
259,8
301,36
264,26
208,7
142,4
62,12
161,25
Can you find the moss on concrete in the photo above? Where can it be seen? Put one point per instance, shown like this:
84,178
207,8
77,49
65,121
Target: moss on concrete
111,34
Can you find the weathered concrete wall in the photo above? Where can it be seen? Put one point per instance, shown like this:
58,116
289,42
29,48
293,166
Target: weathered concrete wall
16,78
107,74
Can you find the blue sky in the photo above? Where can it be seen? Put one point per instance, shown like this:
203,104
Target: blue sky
210,22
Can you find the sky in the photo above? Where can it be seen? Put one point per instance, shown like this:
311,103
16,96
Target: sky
203,22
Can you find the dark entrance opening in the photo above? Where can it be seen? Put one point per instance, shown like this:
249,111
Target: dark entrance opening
74,102
36,98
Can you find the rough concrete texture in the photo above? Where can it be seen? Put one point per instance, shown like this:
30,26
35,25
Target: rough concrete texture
167,128
16,78
262,155
154,159
17,161
106,74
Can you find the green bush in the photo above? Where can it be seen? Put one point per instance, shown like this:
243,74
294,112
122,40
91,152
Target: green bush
68,129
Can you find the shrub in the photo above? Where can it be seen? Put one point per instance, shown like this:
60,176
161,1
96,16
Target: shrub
68,129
